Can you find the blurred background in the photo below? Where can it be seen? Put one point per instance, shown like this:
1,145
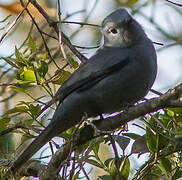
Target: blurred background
161,20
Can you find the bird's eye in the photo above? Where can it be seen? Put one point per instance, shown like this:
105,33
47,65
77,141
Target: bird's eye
113,30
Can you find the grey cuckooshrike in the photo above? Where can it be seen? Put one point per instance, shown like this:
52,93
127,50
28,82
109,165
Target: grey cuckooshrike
120,73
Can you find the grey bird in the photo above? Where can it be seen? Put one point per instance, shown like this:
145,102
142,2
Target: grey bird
120,73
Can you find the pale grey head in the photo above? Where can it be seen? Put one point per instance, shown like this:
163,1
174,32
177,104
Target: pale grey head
121,30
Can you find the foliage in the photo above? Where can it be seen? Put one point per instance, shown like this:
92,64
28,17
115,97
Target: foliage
30,69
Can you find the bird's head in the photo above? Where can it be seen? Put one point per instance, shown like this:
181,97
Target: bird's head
120,29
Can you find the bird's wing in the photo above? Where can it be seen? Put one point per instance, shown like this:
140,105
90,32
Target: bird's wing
99,66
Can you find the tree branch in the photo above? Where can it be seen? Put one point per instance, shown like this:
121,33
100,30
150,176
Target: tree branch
111,123
96,128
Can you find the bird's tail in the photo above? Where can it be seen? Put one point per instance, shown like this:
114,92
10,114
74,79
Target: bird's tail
46,135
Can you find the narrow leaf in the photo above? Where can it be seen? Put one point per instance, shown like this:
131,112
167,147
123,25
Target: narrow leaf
95,163
122,141
140,145
125,168
42,69
32,44
61,77
16,110
105,177
17,54
3,123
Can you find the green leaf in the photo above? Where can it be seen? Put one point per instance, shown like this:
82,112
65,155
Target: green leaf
155,141
68,133
96,150
95,163
32,44
44,56
28,75
20,59
18,89
23,58
28,122
165,119
125,168
73,63
17,54
61,77
22,88
6,18
140,146
34,109
152,140
131,135
107,162
112,169
16,110
152,137
18,73
9,61
165,166
75,177
170,112
132,2
7,144
177,112
177,174
21,63
105,177
122,141
26,137
3,123
42,69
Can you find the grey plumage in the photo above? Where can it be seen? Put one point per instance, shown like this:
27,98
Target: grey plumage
120,73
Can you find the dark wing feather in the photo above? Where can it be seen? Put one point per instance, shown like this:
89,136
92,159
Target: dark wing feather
98,69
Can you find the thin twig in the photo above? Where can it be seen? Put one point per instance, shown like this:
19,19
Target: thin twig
117,159
156,92
80,23
84,172
74,13
13,23
160,44
18,126
61,44
53,24
44,41
9,97
177,4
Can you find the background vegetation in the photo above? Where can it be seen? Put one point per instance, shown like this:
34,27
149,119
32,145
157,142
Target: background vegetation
40,48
